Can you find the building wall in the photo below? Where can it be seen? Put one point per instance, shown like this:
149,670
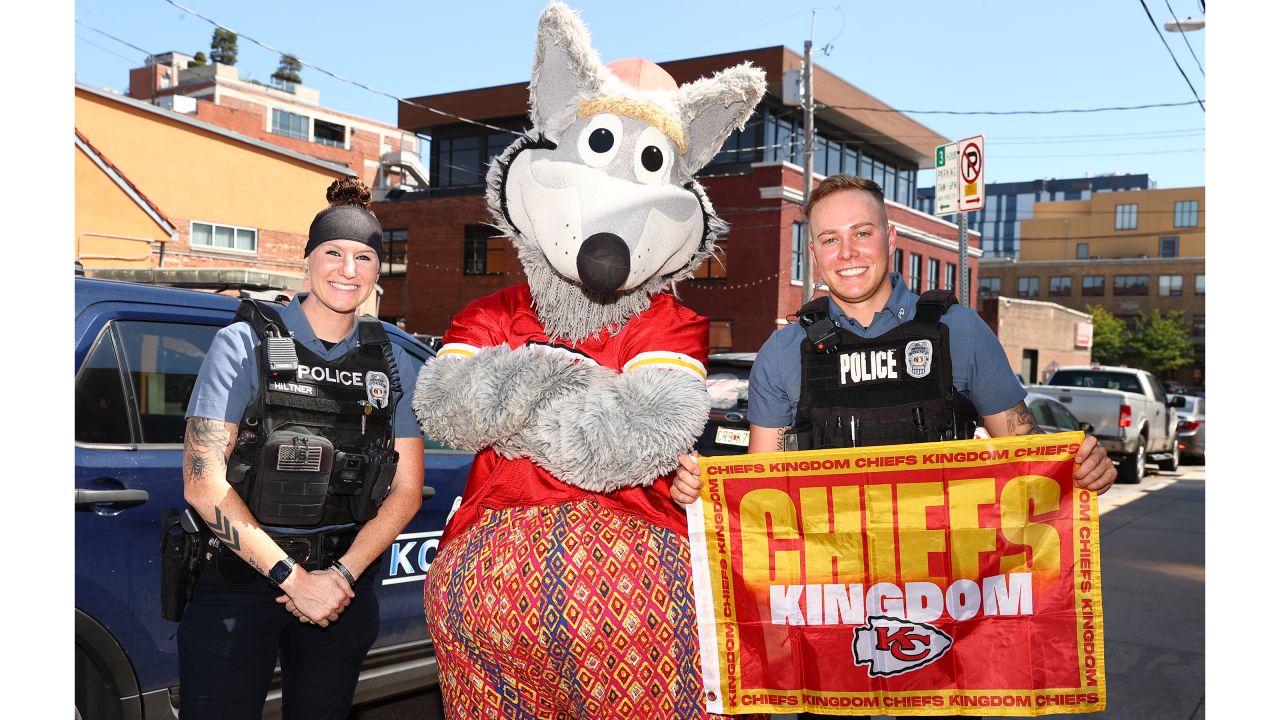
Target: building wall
1057,227
111,229
1125,307
192,174
1047,330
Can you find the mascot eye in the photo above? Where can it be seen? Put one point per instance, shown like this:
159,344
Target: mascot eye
653,157
599,140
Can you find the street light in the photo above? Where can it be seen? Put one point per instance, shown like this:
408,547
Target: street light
1184,26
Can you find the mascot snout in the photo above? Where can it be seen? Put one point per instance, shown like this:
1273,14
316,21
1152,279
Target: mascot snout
604,262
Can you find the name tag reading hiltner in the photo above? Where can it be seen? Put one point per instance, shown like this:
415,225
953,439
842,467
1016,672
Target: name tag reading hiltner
860,366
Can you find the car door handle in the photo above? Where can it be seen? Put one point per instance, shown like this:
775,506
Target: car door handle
428,492
124,498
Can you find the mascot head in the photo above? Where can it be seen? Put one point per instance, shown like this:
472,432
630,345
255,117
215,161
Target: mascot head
599,196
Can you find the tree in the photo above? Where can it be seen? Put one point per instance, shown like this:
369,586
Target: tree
223,47
1109,342
199,60
1161,343
288,70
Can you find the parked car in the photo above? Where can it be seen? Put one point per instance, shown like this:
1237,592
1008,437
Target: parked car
727,429
138,349
1132,417
1190,410
1053,416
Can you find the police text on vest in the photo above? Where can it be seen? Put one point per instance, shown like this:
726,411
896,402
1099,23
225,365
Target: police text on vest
856,367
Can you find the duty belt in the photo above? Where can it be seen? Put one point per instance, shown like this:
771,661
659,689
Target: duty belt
313,551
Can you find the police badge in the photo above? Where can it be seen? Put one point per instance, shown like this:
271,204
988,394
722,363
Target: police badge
377,387
919,358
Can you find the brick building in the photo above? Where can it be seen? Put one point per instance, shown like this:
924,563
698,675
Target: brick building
1038,337
139,205
285,114
1130,253
443,255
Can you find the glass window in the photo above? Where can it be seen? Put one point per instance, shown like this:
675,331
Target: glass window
1063,417
1200,284
1028,287
988,287
223,237
1186,213
290,124
933,274
1060,286
395,252
1170,286
913,282
1127,216
797,250
101,413
951,276
328,133
1040,411
1197,327
482,251
717,266
161,361
1093,285
1082,251
1169,247
1131,285
721,336
897,261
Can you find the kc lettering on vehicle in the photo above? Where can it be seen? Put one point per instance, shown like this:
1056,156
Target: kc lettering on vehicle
308,373
865,365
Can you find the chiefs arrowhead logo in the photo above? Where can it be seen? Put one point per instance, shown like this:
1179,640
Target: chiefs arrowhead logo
891,646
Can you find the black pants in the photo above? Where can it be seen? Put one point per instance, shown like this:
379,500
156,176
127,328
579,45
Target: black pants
231,635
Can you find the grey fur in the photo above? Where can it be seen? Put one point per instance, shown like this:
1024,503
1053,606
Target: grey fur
713,107
490,397
622,434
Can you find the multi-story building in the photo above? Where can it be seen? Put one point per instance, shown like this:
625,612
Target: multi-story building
1128,253
1008,204
282,113
160,189
443,254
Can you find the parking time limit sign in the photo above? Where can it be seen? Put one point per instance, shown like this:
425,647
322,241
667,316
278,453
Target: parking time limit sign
960,185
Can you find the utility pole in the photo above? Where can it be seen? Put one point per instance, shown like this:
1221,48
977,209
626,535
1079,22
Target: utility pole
806,269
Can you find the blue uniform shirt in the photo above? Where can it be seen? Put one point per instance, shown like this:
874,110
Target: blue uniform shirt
979,366
228,379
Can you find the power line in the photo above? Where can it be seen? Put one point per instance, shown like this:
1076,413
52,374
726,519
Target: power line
336,76
1156,27
1014,112
113,37
1185,40
105,49
999,156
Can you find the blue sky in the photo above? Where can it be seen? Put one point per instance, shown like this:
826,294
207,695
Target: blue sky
990,55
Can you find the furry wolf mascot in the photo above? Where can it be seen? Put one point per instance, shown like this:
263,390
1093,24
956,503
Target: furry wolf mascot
561,587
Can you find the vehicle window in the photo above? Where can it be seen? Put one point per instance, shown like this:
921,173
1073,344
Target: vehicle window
428,442
1062,417
1157,390
726,389
162,360
1096,379
1040,412
101,413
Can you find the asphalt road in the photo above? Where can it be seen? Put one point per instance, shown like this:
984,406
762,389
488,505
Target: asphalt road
1153,599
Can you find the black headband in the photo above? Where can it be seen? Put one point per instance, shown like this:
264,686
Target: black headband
345,222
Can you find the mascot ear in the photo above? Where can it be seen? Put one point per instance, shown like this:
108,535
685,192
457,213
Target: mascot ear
565,67
713,107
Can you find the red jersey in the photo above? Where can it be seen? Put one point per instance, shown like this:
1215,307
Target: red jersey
668,335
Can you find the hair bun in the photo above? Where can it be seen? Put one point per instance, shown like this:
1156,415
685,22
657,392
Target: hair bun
349,191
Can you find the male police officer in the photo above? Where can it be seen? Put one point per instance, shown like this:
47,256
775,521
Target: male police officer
875,364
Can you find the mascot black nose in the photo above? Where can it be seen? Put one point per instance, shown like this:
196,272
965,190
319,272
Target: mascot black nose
604,261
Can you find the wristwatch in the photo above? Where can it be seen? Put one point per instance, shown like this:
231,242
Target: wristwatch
280,571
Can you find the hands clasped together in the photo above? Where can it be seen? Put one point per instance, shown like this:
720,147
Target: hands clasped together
316,597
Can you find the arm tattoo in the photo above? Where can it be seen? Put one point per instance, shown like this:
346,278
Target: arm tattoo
1021,422
256,566
204,433
782,437
196,465
223,530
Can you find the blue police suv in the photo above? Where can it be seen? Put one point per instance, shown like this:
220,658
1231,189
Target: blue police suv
138,349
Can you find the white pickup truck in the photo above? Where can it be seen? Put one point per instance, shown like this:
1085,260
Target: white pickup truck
1132,417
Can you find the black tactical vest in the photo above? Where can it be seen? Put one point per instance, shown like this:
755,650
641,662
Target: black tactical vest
316,447
888,390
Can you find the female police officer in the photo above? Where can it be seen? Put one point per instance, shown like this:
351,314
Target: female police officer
294,430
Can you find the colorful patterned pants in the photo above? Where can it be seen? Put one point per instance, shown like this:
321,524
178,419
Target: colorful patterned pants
566,611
